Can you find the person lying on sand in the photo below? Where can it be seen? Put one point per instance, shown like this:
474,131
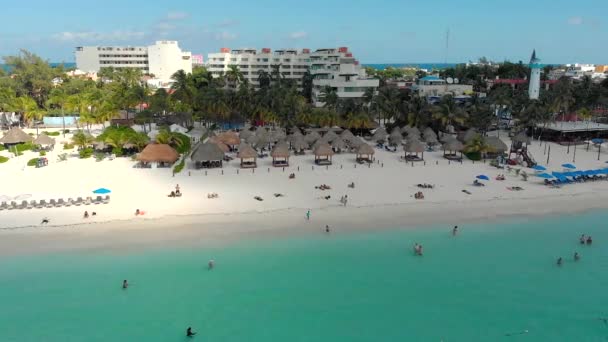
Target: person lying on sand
515,188
172,194
351,185
478,183
467,192
258,198
45,221
292,176
279,195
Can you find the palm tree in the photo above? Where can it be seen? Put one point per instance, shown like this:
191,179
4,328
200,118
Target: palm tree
330,97
81,139
234,76
183,87
478,145
117,139
562,97
447,112
80,103
29,110
264,79
59,99
7,99
140,140
480,115
167,137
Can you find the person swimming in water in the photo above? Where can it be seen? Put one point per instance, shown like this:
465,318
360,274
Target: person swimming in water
327,228
125,284
582,239
455,230
211,264
576,256
589,240
420,250
559,261
189,332
416,246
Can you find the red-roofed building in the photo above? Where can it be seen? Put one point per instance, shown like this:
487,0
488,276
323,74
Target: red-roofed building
517,83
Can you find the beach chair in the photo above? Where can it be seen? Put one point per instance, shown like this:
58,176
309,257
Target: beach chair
78,201
88,201
23,205
51,203
106,200
97,200
12,206
60,202
69,202
41,204
32,204
3,206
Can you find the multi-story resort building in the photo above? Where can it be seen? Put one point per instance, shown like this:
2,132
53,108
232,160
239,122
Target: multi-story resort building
162,59
335,68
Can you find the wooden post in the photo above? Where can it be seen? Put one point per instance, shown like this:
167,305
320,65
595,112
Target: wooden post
548,155
574,156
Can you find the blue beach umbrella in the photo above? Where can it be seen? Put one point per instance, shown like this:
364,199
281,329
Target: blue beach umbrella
597,141
568,166
483,177
539,168
102,191
545,176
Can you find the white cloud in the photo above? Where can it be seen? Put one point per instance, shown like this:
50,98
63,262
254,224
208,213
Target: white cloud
576,20
224,35
228,23
298,35
89,36
177,15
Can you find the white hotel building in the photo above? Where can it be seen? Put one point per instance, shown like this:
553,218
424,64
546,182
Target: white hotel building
162,59
336,68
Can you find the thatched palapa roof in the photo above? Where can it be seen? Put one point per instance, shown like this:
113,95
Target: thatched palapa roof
338,143
330,136
469,135
299,144
280,150
44,139
522,137
312,137
158,153
496,144
225,148
453,145
323,150
207,152
15,136
414,146
365,149
229,138
246,152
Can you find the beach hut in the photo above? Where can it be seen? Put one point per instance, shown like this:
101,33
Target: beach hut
323,154
248,156
379,135
162,155
396,130
355,143
312,137
225,148
365,153
280,155
429,132
15,136
330,136
44,141
452,148
470,135
338,145
347,135
395,139
229,138
414,150
299,145
207,155
244,134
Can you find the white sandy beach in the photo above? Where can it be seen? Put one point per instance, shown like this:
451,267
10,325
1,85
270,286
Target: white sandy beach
382,197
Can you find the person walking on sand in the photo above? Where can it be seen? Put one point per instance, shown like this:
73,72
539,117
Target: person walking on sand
308,215
210,264
345,200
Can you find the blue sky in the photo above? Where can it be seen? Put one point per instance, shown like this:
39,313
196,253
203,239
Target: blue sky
381,31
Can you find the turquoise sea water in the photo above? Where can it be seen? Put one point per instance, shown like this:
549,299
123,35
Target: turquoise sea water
490,280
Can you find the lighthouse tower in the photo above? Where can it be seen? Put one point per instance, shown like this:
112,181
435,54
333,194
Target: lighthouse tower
534,87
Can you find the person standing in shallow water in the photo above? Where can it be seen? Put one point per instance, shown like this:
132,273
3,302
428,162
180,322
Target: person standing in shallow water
211,264
327,229
189,332
455,231
559,261
576,256
125,284
308,215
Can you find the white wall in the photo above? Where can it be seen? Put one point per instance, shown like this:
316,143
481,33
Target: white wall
165,58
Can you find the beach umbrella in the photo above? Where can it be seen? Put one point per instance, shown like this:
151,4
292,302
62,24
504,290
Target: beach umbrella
101,191
568,166
312,137
483,177
539,168
545,175
330,136
597,141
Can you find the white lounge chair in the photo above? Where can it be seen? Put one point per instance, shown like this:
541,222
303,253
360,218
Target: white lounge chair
88,201
106,200
41,204
23,205
3,206
12,206
98,200
78,201
60,202
52,203
32,204
69,202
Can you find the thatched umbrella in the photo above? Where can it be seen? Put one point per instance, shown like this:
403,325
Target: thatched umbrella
323,154
278,134
380,135
395,139
412,148
312,137
469,135
396,130
330,136
229,138
429,132
299,144
252,139
158,153
413,131
347,135
263,140
207,154
44,140
405,129
356,142
244,134
497,145
450,148
430,139
280,155
247,155
15,136
365,153
338,144
214,140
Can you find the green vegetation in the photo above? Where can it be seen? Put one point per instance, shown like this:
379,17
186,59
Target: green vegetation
25,147
67,146
179,167
32,162
85,153
2,148
3,159
42,153
52,134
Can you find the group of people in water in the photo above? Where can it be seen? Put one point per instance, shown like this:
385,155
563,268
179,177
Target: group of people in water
418,250
583,240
